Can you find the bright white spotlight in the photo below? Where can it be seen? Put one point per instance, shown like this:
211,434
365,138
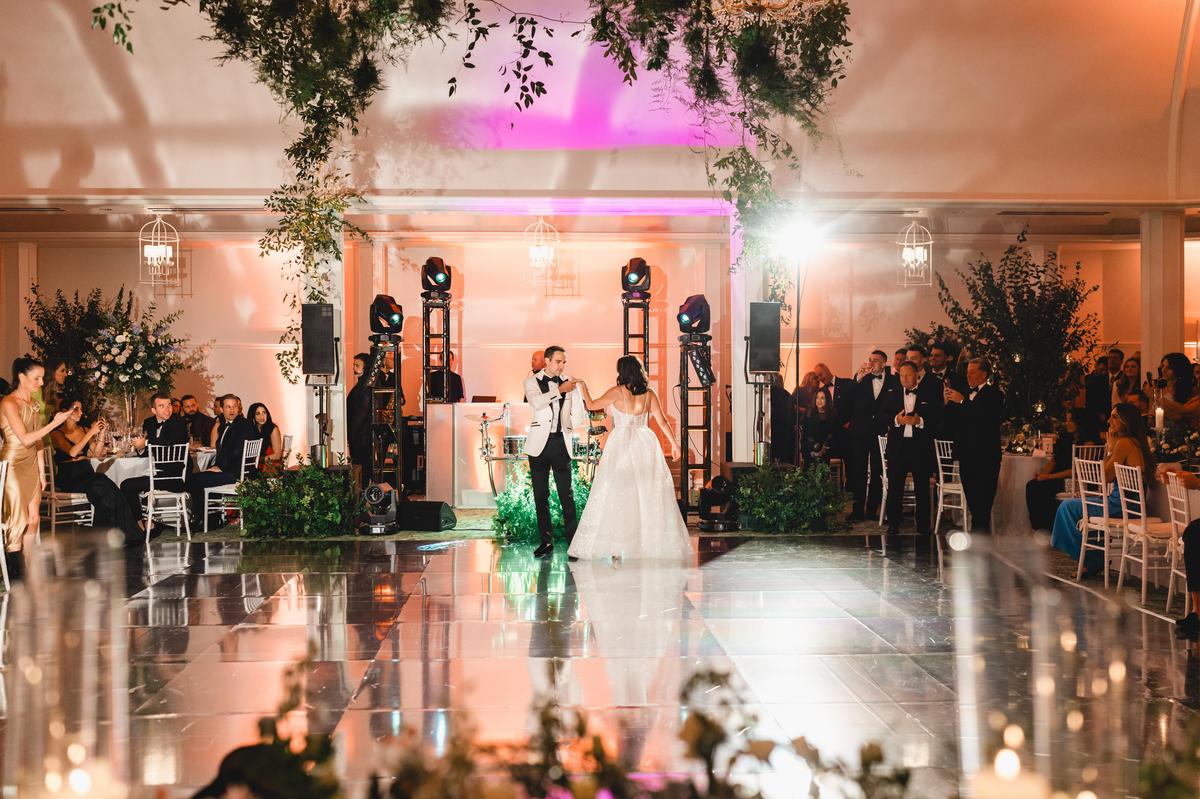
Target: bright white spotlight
800,238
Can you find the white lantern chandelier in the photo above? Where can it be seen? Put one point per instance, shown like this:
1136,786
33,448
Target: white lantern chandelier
916,255
542,239
158,245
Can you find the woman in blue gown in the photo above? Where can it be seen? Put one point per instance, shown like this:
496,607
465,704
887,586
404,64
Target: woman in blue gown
1127,445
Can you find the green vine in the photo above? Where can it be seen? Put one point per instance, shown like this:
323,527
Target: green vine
740,66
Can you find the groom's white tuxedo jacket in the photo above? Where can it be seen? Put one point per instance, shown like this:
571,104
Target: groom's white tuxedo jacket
543,396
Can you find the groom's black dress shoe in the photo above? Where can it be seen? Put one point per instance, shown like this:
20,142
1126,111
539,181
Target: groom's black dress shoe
544,550
572,558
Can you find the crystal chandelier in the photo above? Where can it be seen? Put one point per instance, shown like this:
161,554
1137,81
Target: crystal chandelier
159,246
542,240
916,255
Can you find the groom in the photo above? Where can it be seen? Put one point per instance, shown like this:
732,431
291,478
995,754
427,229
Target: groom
557,407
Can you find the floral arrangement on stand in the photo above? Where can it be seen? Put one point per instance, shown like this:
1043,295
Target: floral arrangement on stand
129,356
1175,444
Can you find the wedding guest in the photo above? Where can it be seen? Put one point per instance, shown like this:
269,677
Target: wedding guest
176,406
231,434
1127,382
1097,389
864,433
820,428
803,395
74,472
1142,403
1116,358
537,362
162,429
1127,445
898,358
931,390
358,418
198,422
1180,401
20,423
456,393
262,426
1041,493
909,416
5,388
783,423
219,402
941,366
976,418
841,395
52,392
1189,625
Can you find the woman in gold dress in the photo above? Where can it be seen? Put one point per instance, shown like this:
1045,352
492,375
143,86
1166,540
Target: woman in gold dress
22,450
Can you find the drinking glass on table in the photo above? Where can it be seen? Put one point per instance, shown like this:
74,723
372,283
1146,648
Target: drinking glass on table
138,440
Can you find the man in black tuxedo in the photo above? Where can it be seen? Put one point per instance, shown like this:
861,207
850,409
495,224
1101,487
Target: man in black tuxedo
930,388
456,393
199,423
909,416
841,391
941,366
163,429
232,432
1097,393
864,432
978,415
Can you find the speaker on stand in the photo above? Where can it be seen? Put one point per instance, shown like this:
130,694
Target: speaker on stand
762,367
319,364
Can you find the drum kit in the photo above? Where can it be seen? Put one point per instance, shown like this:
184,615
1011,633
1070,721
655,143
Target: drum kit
587,450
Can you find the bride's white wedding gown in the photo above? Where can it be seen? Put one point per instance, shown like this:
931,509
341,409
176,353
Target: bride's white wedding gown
631,511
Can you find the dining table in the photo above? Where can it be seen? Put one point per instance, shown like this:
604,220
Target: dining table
120,468
1010,514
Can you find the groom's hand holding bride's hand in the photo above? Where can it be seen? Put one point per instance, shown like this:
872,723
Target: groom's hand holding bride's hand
567,386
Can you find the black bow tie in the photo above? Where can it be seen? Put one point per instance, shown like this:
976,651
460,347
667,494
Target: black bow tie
876,377
556,380
908,391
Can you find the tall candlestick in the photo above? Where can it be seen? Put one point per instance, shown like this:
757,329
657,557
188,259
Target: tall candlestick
1158,419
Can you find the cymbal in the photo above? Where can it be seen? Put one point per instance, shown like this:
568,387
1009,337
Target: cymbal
479,417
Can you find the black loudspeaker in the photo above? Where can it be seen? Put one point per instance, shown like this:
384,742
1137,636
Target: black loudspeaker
764,337
317,339
425,515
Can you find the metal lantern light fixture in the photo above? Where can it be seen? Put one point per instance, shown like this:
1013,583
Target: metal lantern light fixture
916,255
158,243
542,239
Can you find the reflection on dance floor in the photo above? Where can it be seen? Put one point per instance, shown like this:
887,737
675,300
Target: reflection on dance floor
829,641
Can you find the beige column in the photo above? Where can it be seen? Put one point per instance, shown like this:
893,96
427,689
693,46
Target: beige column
18,271
1162,233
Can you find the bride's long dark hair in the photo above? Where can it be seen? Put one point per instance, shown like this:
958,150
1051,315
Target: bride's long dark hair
631,374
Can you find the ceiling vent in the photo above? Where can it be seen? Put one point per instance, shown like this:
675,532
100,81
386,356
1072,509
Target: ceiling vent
1052,213
205,209
31,209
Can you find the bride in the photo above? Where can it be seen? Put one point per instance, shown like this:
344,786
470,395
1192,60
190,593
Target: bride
631,511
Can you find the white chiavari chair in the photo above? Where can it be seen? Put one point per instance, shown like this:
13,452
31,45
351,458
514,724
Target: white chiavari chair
219,499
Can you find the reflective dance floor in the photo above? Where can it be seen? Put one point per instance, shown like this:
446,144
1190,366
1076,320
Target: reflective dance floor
826,639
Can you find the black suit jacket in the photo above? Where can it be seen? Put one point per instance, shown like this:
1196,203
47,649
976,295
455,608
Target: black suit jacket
1097,395
891,403
864,415
977,424
200,426
231,437
844,389
957,381
172,431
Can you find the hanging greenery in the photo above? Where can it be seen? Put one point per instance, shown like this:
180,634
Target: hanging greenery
748,67
1025,316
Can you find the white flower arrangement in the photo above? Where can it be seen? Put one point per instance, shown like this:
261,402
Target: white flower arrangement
130,357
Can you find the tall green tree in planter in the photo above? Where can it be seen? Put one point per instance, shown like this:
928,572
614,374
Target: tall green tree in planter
1026,317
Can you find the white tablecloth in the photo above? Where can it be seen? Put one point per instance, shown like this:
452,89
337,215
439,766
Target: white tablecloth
1010,514
121,469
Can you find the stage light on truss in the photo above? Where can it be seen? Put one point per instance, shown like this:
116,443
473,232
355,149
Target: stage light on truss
693,315
387,316
436,275
701,358
635,276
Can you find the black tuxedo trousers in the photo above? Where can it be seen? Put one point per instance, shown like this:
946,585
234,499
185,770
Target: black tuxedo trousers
907,456
553,458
